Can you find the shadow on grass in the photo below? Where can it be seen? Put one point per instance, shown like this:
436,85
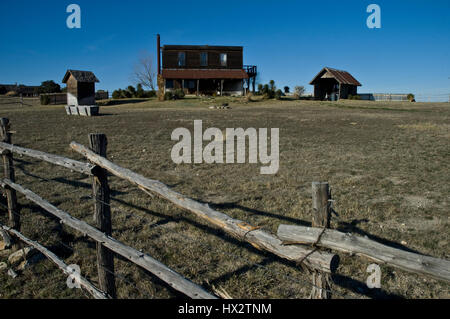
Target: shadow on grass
265,262
258,212
105,114
352,228
71,182
122,101
340,280
359,287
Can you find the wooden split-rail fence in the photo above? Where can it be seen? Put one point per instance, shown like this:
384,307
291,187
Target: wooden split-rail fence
289,243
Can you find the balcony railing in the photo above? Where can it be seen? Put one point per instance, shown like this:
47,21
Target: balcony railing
251,70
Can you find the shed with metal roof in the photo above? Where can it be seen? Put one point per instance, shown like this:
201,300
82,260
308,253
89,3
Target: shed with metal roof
333,84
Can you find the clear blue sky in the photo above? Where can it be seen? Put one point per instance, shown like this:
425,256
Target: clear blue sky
290,41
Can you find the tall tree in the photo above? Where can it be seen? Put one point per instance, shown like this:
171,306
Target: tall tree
144,71
48,87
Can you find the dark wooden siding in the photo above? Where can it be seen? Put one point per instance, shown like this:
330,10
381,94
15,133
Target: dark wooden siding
170,58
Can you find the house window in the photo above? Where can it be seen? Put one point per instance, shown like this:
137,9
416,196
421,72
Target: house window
169,84
181,58
204,59
223,59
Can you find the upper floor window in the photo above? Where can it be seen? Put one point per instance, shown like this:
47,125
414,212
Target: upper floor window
181,58
204,59
223,59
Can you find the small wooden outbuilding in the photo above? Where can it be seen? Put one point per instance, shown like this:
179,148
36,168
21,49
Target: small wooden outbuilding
80,87
332,84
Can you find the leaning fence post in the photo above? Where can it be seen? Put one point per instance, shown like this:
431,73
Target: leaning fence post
102,217
321,218
8,169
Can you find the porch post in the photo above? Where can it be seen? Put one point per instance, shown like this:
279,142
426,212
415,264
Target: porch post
221,87
198,85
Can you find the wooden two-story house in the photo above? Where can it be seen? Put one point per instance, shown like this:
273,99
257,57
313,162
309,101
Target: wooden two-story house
205,70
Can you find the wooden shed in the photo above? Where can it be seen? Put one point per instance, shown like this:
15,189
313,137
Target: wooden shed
332,84
80,87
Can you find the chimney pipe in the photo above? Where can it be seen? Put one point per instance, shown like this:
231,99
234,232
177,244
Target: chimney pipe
158,43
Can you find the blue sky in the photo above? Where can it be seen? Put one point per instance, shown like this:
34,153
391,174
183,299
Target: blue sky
289,41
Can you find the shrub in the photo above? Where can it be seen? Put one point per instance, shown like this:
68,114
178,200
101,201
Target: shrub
354,97
411,97
260,89
299,91
45,99
140,93
48,87
178,94
168,96
117,94
132,91
150,94
125,94
278,94
286,89
272,85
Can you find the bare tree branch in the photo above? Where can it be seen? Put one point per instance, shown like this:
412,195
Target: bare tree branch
143,72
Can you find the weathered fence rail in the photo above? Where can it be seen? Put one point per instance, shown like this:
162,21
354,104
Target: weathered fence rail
260,239
285,245
77,166
103,220
96,293
349,243
139,258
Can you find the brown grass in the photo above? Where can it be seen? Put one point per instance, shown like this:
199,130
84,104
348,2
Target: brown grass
387,163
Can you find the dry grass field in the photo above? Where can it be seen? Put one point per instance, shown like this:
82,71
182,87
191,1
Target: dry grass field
388,165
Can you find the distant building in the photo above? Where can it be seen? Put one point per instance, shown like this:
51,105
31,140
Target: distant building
80,87
203,69
20,89
332,84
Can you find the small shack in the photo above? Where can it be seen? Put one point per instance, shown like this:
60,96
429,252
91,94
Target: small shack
80,92
332,84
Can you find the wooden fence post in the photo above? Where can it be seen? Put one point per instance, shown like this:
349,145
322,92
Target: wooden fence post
102,217
8,169
321,218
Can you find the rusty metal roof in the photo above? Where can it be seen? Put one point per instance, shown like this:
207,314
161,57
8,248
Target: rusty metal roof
343,77
203,47
80,76
204,74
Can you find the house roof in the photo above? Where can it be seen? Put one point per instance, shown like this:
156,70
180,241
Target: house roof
202,47
204,74
343,77
80,76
